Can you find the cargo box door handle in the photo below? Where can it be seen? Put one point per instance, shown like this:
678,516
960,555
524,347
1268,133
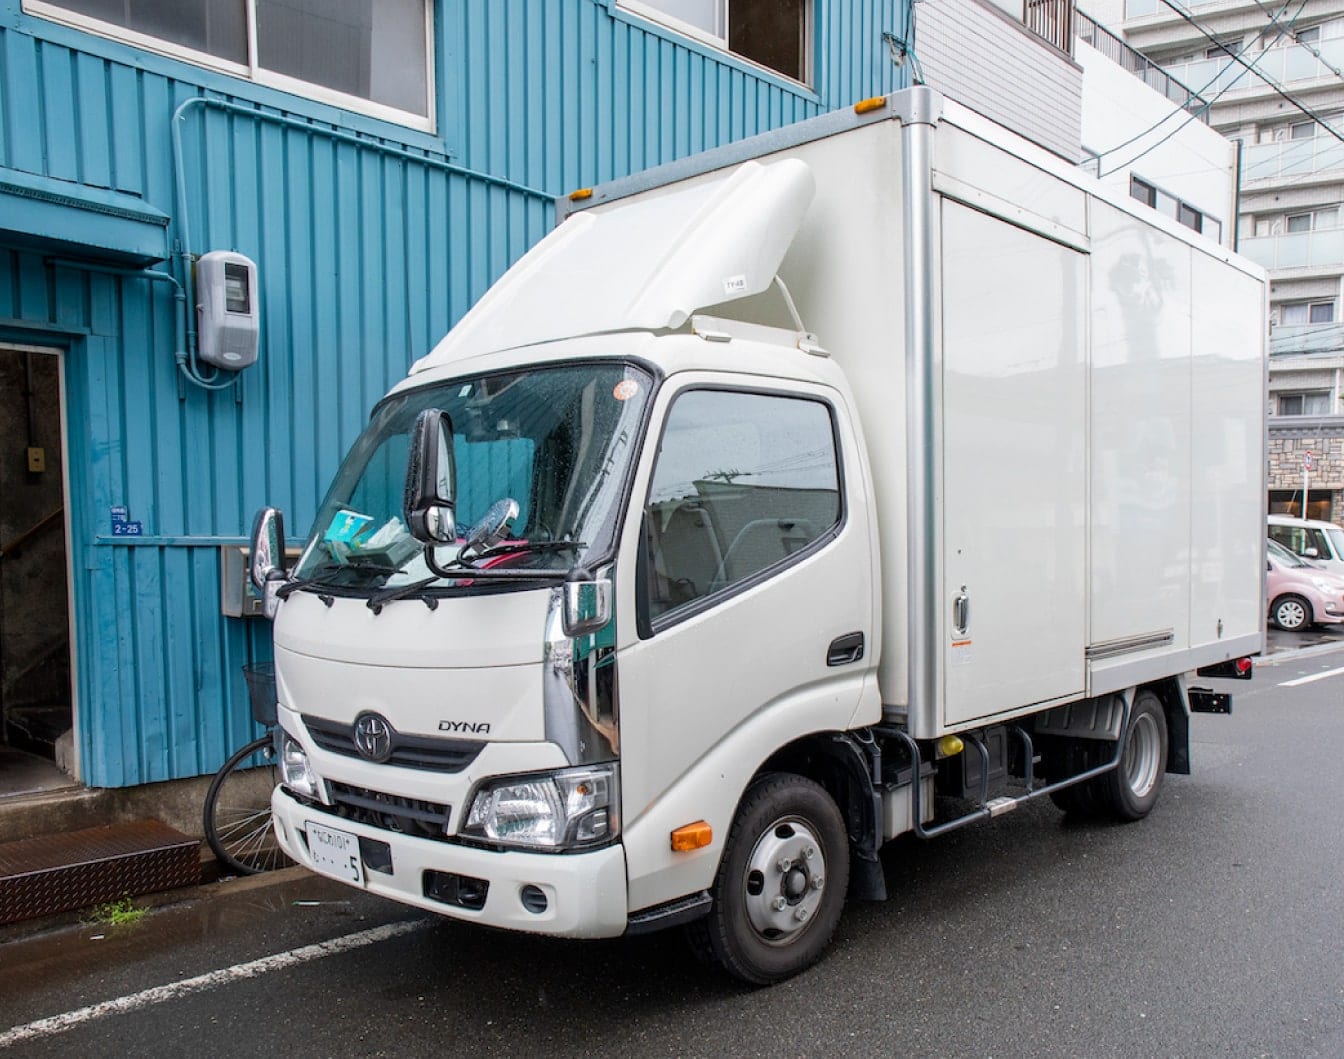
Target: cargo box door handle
845,649
961,612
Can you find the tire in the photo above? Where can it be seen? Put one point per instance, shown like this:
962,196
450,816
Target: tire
781,884
237,813
1291,613
1129,791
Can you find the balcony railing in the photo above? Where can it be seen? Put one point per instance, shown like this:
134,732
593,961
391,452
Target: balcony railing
1323,249
1288,339
1051,20
1142,67
1282,65
1291,158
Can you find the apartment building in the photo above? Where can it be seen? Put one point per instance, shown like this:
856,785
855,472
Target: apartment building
1273,74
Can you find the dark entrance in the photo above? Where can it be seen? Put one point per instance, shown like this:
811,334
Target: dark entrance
35,690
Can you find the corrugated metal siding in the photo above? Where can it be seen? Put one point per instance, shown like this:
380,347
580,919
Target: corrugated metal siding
990,62
365,260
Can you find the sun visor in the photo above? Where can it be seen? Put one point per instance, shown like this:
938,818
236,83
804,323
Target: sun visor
643,263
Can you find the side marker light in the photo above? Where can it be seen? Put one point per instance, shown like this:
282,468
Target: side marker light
692,836
863,106
580,195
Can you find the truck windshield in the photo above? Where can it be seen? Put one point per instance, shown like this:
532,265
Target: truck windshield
556,440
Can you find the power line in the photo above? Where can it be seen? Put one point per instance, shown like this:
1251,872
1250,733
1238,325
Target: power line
1278,89
1208,103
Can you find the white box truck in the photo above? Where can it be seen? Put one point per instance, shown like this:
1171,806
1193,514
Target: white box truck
773,494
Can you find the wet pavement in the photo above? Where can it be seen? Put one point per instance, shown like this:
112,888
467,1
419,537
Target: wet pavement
1205,930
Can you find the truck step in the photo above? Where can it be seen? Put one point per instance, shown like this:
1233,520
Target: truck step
60,873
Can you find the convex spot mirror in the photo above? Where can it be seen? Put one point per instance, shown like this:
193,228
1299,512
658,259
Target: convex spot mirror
587,604
431,479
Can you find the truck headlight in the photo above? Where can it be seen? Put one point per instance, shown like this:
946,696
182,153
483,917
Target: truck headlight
564,810
295,772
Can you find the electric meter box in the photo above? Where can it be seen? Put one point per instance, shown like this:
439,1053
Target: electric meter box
228,320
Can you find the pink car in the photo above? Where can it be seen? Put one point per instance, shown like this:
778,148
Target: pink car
1300,592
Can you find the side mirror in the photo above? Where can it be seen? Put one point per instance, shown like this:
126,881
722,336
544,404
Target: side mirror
1310,553
268,548
431,479
268,558
587,606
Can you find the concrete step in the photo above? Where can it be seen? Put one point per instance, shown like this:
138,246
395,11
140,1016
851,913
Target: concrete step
50,874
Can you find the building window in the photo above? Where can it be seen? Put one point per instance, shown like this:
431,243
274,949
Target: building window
1174,208
1311,403
1190,217
771,33
1302,130
371,56
1295,314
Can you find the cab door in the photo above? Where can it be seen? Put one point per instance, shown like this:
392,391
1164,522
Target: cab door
753,606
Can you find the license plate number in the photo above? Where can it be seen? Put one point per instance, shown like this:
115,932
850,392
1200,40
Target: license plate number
335,853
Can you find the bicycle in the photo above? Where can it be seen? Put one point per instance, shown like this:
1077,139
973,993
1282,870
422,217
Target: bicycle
236,816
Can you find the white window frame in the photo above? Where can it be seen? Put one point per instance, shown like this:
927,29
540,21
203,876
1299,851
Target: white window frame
1283,307
252,71
656,14
1302,395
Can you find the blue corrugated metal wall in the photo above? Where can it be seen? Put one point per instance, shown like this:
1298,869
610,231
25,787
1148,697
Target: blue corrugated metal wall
366,257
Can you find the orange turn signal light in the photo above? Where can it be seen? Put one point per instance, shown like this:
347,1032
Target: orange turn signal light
863,106
692,836
580,195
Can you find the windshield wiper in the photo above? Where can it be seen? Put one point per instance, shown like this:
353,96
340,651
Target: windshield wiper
378,599
315,581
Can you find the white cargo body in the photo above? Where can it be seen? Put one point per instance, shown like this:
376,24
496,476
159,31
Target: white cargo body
881,457
1061,390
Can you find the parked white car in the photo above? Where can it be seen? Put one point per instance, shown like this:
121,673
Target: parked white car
1321,542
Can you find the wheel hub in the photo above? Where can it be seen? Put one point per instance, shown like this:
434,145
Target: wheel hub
785,877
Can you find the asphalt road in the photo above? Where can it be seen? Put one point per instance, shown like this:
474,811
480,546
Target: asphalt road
1213,928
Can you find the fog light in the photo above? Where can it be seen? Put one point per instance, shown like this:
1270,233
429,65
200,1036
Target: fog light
534,900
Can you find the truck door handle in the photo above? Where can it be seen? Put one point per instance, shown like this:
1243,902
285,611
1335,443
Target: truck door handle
845,649
961,612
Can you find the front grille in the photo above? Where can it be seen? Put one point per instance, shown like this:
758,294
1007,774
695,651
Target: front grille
390,812
409,751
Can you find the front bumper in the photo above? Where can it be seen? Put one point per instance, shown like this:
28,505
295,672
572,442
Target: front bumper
585,892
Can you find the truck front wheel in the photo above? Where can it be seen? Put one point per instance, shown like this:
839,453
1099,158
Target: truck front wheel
781,885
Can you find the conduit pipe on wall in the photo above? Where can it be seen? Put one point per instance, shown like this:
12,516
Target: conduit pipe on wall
186,358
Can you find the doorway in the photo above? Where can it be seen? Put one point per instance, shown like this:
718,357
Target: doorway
37,746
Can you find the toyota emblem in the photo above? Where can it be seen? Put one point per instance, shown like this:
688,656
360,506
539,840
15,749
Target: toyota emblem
373,737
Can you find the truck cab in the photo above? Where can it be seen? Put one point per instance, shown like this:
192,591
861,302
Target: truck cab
448,744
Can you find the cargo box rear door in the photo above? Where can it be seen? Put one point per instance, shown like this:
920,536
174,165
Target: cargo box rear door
1014,466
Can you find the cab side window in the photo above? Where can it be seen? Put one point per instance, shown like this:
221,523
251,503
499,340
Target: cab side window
744,483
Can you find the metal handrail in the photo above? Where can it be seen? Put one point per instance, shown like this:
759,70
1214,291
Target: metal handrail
1051,20
23,538
1090,31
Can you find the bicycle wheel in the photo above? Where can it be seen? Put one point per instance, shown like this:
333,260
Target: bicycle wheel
237,814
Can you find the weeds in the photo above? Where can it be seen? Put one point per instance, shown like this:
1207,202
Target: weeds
118,913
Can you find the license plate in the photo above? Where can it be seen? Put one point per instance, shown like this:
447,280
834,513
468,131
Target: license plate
335,853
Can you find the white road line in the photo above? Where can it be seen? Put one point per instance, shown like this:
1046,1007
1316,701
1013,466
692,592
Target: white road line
60,1023
1314,676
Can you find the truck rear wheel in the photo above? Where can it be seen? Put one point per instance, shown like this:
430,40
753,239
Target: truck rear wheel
781,884
1130,791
